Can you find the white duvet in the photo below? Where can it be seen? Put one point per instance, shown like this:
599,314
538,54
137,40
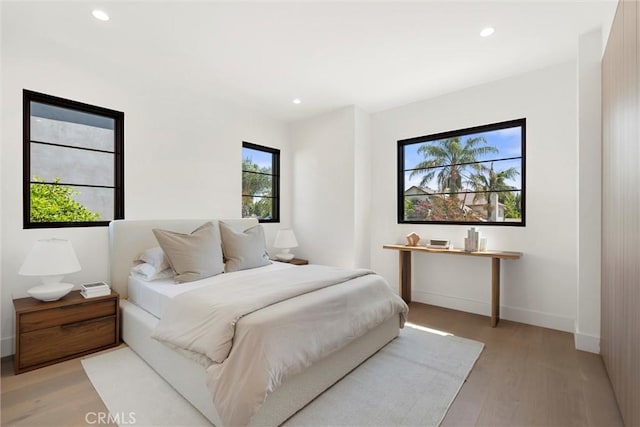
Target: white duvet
254,333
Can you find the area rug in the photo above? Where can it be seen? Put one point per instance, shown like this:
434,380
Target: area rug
412,381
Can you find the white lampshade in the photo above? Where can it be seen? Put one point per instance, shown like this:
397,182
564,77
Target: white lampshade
51,259
285,239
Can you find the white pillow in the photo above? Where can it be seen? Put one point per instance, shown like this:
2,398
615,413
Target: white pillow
155,257
148,272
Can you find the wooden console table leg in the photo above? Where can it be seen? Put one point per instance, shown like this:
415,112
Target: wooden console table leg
405,276
495,291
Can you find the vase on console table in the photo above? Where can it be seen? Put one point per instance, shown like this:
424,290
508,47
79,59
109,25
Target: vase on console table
412,239
472,241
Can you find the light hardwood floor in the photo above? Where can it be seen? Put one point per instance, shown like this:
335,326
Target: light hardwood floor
526,375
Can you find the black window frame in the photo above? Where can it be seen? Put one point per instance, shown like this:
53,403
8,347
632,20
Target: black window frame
522,123
275,176
29,96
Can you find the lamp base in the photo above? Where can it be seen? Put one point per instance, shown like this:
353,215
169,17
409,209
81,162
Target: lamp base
50,291
285,256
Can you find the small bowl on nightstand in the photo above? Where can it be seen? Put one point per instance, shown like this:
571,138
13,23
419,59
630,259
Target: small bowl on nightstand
50,292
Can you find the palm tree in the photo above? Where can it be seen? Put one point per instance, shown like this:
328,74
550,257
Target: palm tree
486,182
449,158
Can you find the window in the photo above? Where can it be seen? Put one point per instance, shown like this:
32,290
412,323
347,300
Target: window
73,163
468,176
260,182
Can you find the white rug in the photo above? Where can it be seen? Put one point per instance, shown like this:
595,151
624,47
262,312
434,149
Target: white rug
412,381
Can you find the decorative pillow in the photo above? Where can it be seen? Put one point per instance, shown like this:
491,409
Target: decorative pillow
155,257
243,250
149,273
192,256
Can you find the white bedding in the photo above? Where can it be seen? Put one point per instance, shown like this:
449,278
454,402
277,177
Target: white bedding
280,322
154,296
129,238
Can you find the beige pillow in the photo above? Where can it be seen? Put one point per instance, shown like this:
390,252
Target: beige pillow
243,250
192,256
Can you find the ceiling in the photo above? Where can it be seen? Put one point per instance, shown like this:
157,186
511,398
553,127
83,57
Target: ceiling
262,55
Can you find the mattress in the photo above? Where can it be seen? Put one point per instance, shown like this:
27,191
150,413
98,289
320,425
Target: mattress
154,296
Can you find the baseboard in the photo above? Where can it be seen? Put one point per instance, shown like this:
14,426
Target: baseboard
516,314
461,304
6,346
586,342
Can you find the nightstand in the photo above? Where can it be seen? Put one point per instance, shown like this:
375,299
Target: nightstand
50,332
297,261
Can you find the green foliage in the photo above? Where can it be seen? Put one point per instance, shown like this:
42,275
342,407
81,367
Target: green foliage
512,205
409,211
257,188
54,203
439,208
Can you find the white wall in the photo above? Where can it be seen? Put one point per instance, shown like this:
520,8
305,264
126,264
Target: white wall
587,329
323,187
332,187
2,203
541,287
182,156
362,189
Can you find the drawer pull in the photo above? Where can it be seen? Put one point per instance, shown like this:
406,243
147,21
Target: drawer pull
84,322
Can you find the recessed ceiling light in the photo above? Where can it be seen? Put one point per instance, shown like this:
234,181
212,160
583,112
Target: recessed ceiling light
297,101
486,32
100,14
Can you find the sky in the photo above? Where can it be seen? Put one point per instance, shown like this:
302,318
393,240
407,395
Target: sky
507,141
261,158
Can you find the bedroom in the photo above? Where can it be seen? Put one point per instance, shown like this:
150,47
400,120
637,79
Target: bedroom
193,116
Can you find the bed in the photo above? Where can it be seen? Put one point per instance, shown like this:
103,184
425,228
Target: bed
142,307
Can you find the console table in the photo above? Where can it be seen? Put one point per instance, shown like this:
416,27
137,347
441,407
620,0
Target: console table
496,256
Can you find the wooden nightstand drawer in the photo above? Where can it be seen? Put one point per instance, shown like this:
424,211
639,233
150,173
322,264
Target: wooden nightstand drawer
45,345
65,315
53,331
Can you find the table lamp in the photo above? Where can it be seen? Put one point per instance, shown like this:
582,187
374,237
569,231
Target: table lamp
285,240
51,259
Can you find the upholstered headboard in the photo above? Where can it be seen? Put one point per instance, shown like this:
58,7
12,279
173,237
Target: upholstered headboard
127,238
